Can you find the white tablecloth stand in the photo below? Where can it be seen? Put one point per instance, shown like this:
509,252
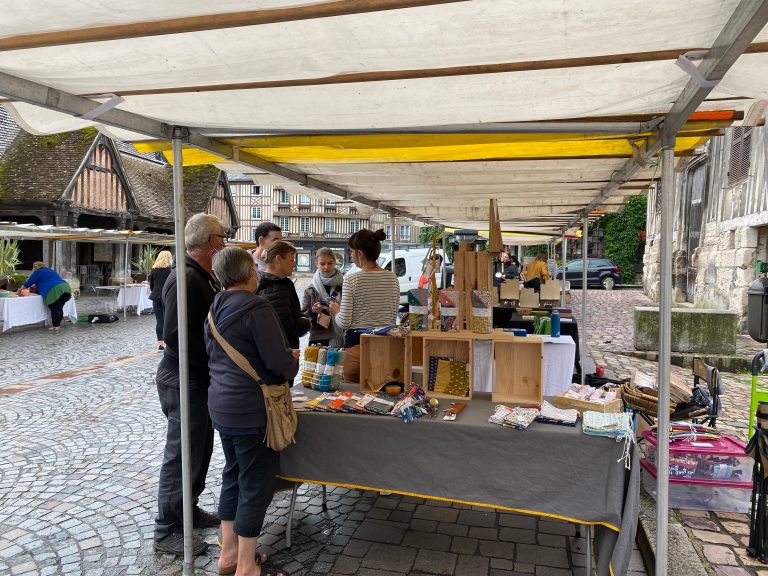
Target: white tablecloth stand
30,310
559,358
136,295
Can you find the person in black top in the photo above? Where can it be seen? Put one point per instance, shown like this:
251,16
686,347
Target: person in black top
204,236
510,266
157,277
276,286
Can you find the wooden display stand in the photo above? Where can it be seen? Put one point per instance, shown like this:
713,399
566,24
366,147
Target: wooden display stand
460,349
382,359
518,371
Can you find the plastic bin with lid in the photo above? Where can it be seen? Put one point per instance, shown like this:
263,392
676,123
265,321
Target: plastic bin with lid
704,459
715,496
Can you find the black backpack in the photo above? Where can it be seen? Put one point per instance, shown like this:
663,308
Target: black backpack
102,318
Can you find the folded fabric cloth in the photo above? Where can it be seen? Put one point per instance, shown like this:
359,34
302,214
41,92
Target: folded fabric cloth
310,365
449,309
482,311
520,417
552,415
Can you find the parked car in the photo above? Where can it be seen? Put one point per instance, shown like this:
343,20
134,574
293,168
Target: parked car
600,272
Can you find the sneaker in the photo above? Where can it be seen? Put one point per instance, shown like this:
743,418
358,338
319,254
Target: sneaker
174,544
203,519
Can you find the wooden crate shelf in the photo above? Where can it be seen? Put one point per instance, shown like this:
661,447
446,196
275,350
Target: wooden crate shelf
382,359
459,349
518,371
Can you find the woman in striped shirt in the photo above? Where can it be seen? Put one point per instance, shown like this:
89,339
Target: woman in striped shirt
369,298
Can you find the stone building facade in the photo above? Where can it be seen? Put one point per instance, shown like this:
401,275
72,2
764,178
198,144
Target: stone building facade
720,222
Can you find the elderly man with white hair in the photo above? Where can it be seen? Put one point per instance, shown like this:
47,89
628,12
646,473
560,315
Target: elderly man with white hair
204,235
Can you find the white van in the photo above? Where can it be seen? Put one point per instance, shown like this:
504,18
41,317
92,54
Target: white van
409,266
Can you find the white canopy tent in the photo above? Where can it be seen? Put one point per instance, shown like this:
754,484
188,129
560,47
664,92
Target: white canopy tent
420,108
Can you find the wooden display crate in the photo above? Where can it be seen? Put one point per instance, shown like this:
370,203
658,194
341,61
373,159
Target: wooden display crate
414,354
382,359
443,344
564,402
518,371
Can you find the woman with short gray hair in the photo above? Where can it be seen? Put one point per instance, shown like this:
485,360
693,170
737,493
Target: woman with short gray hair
236,405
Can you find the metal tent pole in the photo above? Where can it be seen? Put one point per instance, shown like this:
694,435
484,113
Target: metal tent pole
392,242
564,247
443,279
125,280
181,303
583,329
665,333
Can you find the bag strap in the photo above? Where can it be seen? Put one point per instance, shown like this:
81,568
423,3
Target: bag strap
236,357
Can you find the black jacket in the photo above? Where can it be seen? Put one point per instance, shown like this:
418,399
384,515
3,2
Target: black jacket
281,293
201,288
251,326
157,278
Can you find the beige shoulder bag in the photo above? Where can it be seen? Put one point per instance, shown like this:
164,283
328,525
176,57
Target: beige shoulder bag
281,417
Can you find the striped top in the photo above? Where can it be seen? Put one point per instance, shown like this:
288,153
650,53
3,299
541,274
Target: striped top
369,300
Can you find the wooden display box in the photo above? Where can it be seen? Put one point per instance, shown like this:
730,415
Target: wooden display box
564,402
446,344
382,359
518,371
414,358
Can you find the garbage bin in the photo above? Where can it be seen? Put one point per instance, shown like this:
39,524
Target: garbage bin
757,311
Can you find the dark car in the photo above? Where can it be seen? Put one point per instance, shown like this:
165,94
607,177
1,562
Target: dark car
600,272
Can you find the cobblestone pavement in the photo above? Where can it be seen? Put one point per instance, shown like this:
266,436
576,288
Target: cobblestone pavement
80,452
719,538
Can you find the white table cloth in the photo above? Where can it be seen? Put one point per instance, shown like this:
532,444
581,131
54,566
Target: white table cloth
30,310
137,295
559,358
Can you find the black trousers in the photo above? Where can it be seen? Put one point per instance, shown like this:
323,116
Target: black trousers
534,283
159,310
247,482
57,309
170,511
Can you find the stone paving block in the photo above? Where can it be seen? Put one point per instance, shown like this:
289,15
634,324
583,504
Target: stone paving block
477,518
388,502
375,572
400,516
428,540
346,565
719,555
379,533
406,506
497,549
452,529
436,514
378,513
434,562
542,555
554,540
483,533
731,571
562,528
700,523
357,548
471,566
517,535
714,537
388,557
549,571
517,521
502,564
420,525
462,545
524,568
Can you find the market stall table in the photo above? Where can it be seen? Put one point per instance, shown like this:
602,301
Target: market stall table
545,470
30,310
134,295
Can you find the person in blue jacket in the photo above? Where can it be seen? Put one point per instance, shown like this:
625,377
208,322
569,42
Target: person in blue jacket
54,290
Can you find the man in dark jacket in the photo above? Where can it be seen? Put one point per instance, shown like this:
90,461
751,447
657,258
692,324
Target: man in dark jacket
204,236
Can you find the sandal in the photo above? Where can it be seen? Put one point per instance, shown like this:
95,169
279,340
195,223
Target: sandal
261,559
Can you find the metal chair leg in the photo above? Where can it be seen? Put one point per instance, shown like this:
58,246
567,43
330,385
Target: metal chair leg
325,501
290,514
590,528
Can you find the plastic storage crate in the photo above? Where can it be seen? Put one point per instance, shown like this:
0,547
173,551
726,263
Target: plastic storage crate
712,460
716,496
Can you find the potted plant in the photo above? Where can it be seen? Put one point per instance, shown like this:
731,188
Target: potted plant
16,281
144,263
9,259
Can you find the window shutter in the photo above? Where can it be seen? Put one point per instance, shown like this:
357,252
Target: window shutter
738,166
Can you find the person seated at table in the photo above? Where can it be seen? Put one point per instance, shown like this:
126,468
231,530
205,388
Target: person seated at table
536,272
510,269
369,298
54,290
161,269
276,286
236,404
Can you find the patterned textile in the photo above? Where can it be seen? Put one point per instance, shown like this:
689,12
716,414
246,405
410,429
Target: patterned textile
418,301
449,309
482,311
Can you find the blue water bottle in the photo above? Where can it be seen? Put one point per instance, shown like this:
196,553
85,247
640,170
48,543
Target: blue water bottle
554,324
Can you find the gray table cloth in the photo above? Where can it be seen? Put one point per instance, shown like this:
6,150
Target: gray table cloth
546,470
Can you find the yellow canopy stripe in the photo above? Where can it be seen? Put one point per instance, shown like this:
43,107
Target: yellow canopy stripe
375,148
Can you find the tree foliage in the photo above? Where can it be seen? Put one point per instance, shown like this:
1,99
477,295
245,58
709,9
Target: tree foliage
622,235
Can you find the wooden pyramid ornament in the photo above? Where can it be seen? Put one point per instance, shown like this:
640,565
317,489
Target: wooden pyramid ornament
495,243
